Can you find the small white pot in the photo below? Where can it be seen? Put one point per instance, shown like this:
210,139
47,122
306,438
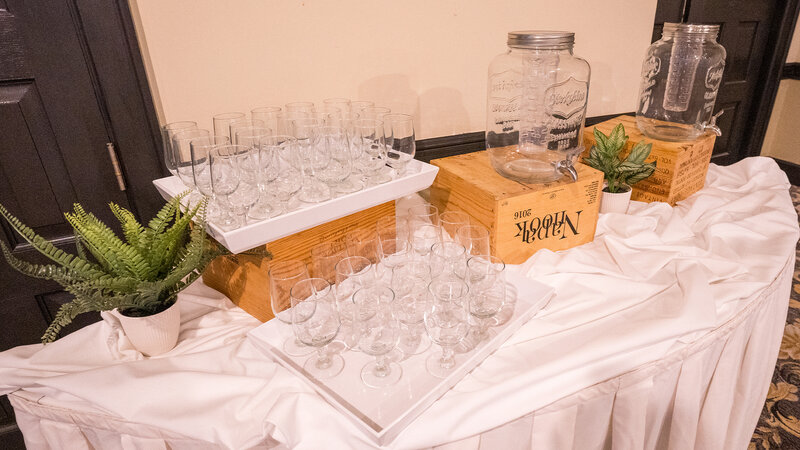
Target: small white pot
615,203
152,335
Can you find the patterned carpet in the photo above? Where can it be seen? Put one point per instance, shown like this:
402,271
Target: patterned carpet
779,425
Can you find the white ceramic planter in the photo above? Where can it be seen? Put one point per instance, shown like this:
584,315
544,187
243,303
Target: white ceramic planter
616,202
153,335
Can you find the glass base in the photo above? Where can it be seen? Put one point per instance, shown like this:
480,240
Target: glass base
293,347
330,369
388,378
315,193
434,366
262,210
349,185
414,345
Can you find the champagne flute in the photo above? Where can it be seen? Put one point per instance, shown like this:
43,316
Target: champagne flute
315,321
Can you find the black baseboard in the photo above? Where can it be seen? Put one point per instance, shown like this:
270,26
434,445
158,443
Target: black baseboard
792,170
441,147
791,71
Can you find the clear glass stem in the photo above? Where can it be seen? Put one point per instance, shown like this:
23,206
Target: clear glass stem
381,367
448,359
323,358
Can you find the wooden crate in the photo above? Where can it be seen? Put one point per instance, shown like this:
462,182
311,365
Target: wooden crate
246,281
681,169
521,218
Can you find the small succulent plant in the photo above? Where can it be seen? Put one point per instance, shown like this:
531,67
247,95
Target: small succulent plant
619,174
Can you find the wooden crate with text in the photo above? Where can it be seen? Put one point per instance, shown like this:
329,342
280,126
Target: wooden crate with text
245,280
521,218
681,169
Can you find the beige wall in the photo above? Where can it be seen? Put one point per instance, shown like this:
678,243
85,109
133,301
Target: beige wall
782,140
427,58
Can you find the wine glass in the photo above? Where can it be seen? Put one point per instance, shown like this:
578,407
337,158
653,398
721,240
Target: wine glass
283,275
392,227
238,124
379,335
400,140
451,221
222,123
475,238
338,102
337,174
200,150
391,252
487,290
246,193
259,169
352,273
181,148
424,213
324,257
370,146
167,131
224,172
305,108
448,259
422,236
363,242
315,321
283,150
410,281
272,117
358,106
312,159
447,323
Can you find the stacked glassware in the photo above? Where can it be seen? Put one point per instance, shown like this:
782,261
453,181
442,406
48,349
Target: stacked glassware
258,167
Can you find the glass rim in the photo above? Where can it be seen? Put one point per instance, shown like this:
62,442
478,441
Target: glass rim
448,244
309,280
178,125
378,287
229,115
266,109
484,231
491,259
352,258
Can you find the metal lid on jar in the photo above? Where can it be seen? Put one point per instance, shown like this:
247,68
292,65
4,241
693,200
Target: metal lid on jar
690,29
541,39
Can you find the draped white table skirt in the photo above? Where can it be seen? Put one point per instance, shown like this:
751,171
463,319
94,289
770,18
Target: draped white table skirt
663,334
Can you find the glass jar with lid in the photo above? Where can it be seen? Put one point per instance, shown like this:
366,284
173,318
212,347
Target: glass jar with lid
536,105
681,75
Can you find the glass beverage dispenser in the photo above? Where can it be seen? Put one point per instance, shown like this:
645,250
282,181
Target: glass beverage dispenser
681,74
536,105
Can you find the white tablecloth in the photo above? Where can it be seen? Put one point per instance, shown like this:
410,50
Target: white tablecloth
663,334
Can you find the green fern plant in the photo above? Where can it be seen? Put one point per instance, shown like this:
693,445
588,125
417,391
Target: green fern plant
141,275
604,156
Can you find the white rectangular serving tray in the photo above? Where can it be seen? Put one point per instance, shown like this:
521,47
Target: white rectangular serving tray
383,413
419,176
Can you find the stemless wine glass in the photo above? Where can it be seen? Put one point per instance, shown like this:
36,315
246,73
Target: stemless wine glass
288,181
340,166
400,140
271,116
370,146
283,275
315,321
224,171
167,131
259,169
410,280
352,273
324,257
475,238
379,335
447,323
222,123
448,259
451,221
487,290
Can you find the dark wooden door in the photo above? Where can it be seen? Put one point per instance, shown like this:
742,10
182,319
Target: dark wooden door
747,29
55,124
